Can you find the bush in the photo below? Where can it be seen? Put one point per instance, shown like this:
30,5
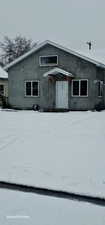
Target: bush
36,107
100,106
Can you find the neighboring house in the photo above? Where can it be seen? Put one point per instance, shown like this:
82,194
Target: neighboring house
55,78
3,86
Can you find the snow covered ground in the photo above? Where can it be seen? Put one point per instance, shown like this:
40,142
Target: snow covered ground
18,208
64,151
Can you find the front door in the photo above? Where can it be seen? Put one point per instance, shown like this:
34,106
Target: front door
62,94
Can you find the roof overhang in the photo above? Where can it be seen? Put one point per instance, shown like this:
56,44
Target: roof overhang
3,73
58,71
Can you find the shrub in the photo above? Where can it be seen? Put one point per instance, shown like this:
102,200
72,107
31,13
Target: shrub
100,106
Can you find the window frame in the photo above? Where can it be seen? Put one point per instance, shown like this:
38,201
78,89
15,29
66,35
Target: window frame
84,96
101,88
48,64
33,96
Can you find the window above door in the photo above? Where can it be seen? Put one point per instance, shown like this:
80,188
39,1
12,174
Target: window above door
50,60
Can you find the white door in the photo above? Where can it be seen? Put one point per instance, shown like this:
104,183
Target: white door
62,94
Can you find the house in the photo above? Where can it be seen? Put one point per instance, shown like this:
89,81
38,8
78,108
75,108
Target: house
3,86
52,77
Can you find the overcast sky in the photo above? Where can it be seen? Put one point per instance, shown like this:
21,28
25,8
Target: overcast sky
68,22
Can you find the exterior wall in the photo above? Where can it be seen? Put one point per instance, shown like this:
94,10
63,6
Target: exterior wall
5,83
104,87
29,69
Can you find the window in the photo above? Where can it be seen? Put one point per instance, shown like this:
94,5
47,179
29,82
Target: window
32,88
76,87
48,60
83,88
1,89
80,88
100,88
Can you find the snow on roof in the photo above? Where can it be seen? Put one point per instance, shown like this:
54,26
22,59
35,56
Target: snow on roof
85,57
3,73
56,71
97,55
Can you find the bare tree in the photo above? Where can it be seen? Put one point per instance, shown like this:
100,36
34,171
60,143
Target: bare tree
13,48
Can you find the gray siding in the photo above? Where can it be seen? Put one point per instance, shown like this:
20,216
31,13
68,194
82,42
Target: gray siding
29,69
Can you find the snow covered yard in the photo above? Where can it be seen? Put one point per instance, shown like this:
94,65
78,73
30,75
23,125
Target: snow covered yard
64,151
18,208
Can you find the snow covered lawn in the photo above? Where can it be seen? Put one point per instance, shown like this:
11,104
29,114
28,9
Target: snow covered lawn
64,151
18,208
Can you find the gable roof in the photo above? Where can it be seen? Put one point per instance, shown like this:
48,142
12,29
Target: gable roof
98,64
3,73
